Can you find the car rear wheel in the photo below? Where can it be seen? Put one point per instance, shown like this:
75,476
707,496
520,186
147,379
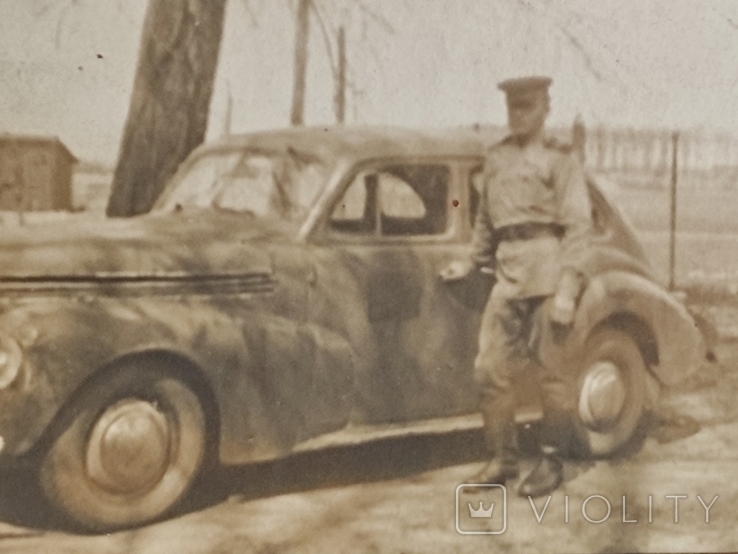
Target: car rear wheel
132,447
612,392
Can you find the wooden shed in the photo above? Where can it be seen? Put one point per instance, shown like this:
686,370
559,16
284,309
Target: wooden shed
35,173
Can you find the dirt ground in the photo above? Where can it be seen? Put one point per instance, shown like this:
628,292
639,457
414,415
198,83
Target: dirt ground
399,496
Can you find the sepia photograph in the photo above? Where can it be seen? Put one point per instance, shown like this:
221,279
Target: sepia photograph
368,276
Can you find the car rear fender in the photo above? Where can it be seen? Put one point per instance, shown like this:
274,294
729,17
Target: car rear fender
666,334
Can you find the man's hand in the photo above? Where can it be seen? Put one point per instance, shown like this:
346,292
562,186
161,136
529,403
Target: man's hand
562,310
564,305
456,271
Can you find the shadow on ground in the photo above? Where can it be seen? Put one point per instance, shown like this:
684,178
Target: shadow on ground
335,467
398,458
21,501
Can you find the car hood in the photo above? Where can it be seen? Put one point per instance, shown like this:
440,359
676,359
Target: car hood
203,242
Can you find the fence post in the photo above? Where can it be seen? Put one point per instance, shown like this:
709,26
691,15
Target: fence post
579,138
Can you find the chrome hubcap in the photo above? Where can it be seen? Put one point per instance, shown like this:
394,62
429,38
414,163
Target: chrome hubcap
129,447
603,395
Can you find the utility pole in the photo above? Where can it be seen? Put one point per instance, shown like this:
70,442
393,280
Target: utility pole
673,205
302,33
340,94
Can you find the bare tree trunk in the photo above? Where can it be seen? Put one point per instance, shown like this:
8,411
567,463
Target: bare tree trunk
340,96
302,32
169,107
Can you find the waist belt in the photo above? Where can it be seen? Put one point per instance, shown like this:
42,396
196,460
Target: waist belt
527,231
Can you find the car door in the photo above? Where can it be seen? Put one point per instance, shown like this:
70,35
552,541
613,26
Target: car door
393,228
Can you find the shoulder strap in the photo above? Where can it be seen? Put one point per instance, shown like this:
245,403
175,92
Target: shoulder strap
555,144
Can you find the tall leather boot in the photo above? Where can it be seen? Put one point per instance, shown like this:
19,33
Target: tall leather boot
499,435
549,472
546,476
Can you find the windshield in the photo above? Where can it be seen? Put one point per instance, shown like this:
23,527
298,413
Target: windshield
282,185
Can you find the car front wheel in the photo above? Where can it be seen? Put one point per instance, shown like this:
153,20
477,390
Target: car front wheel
131,448
612,391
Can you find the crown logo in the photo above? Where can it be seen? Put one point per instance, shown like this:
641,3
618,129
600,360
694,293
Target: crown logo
481,512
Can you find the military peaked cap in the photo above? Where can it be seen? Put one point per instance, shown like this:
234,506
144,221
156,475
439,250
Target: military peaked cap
525,84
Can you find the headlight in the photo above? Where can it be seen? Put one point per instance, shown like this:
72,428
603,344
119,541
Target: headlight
10,360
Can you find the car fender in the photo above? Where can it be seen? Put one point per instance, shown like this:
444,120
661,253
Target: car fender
275,381
662,327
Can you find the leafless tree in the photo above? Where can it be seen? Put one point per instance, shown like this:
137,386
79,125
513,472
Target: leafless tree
334,18
168,112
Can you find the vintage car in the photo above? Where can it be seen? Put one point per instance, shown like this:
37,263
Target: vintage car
284,294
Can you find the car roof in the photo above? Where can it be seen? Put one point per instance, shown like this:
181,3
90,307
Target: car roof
331,143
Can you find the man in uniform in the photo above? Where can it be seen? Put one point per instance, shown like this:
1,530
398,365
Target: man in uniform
532,226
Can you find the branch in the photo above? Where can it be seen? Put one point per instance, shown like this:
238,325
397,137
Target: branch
376,17
57,34
326,37
621,67
732,23
46,6
574,41
41,11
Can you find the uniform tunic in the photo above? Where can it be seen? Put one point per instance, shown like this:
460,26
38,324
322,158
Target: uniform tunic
538,182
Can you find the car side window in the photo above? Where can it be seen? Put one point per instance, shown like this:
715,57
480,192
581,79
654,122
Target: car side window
355,213
396,200
249,186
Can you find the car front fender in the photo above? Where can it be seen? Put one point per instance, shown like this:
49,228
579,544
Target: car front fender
275,381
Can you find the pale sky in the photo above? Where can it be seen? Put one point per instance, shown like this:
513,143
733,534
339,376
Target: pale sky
656,63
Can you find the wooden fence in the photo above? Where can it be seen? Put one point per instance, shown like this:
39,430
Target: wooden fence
650,151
